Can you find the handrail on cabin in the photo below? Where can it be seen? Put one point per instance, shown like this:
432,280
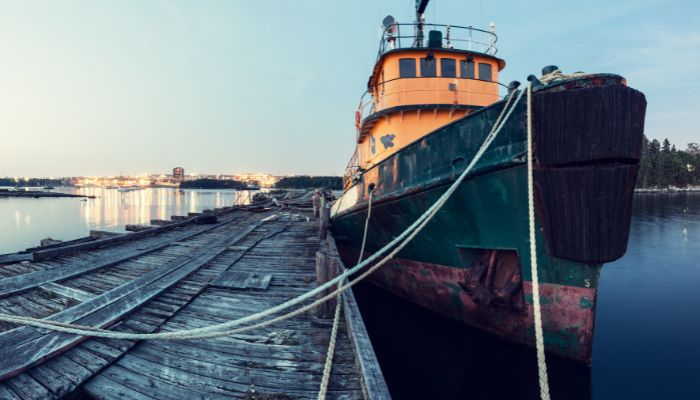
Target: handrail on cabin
473,39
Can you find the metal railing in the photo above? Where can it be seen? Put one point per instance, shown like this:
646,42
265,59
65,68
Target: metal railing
407,35
414,36
352,167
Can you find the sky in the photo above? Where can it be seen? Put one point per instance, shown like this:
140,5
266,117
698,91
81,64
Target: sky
110,87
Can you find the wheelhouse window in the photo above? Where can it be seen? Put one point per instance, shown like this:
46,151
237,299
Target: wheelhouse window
448,67
407,67
428,67
484,72
466,69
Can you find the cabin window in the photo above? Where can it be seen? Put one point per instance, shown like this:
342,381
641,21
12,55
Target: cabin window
407,67
428,67
466,69
448,67
484,72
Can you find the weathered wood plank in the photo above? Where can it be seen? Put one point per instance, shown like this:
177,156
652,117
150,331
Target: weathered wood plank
175,288
102,388
15,257
20,283
72,293
28,388
242,280
23,347
8,394
374,386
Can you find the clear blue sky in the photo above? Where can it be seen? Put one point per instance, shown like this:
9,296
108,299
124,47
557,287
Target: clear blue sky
99,87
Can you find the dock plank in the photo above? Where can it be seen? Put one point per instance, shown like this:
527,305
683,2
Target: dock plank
23,282
25,346
181,278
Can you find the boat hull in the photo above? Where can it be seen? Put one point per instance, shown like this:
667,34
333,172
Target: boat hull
471,262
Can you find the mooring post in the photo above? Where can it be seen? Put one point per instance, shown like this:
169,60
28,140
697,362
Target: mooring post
333,271
316,202
322,310
325,218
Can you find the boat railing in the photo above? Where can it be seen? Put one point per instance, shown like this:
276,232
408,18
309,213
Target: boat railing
412,35
351,169
364,109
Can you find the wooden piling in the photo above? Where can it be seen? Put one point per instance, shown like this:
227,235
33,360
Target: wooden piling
136,227
325,216
322,310
316,203
332,271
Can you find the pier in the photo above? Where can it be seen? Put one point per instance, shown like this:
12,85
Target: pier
189,272
5,193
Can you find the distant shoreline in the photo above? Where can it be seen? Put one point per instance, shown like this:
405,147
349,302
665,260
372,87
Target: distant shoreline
668,190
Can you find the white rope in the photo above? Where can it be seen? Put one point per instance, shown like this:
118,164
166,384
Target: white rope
539,338
325,380
222,329
557,75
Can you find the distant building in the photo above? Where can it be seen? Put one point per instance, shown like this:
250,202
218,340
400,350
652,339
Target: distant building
179,174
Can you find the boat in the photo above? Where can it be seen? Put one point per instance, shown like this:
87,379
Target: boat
431,101
49,187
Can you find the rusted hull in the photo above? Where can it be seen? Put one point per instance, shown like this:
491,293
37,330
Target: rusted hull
568,312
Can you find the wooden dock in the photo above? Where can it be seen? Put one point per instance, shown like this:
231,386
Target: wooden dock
39,193
185,274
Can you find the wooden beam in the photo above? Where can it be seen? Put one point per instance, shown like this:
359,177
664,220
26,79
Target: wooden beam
20,283
373,384
23,347
65,291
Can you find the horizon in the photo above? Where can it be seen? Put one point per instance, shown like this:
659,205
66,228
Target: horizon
93,89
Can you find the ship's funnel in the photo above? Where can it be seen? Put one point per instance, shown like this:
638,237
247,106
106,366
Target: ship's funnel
435,39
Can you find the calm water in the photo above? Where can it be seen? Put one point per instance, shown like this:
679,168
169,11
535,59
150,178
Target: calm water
647,330
648,315
25,221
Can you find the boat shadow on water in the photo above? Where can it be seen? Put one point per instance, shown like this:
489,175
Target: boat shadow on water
426,356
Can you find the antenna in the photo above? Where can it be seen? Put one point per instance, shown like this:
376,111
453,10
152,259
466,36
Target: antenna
389,29
421,5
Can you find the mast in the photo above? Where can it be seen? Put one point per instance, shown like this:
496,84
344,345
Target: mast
420,20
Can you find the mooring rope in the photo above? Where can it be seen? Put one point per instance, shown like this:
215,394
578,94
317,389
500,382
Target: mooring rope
539,337
328,366
222,329
325,379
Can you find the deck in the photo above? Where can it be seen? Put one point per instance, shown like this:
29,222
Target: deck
180,275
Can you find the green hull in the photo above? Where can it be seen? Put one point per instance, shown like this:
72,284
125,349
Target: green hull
471,262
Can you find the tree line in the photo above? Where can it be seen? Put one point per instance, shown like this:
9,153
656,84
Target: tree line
207,183
663,166
31,182
308,182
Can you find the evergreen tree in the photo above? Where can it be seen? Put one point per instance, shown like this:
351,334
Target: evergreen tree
663,165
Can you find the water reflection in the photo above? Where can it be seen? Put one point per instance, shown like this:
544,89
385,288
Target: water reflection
28,220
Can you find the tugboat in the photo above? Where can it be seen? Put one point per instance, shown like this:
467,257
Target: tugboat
430,104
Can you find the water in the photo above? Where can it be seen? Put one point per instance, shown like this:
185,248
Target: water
25,221
646,332
648,315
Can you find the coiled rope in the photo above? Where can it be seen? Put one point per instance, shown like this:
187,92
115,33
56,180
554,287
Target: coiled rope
223,329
